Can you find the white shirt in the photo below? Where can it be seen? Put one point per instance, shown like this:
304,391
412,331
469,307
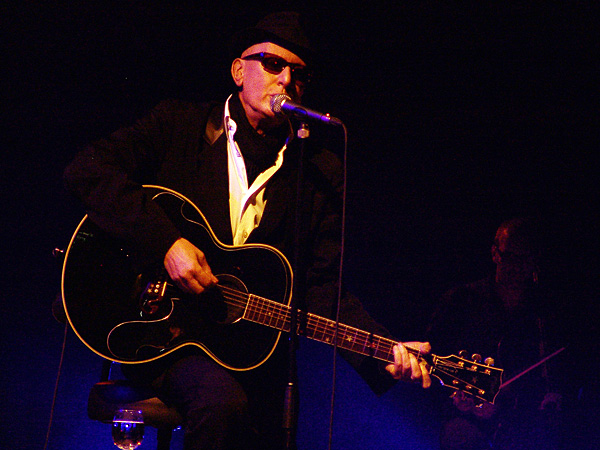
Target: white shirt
246,203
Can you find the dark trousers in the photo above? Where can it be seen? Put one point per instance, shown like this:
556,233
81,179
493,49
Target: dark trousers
222,409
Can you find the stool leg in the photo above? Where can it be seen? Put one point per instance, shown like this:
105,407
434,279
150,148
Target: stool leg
163,438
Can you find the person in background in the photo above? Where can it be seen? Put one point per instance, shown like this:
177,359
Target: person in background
509,317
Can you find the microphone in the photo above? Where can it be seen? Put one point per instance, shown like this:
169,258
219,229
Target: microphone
283,104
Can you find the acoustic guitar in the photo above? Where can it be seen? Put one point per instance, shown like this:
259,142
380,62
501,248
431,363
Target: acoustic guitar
132,314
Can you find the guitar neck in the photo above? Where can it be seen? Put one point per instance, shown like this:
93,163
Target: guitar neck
276,315
481,381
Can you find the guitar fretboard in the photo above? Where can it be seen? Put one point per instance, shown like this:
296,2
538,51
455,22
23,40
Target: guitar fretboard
276,315
479,380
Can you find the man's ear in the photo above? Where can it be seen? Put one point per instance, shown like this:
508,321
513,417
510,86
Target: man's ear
237,72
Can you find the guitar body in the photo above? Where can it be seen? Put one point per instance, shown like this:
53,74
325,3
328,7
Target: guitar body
132,315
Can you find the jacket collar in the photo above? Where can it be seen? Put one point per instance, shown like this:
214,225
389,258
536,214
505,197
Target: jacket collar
214,125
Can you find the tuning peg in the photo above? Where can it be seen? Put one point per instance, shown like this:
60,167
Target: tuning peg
476,357
463,354
489,361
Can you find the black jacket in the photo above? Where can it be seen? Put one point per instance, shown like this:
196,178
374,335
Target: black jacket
182,146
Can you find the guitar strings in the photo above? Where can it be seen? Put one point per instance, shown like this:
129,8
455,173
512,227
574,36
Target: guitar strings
378,347
279,314
261,310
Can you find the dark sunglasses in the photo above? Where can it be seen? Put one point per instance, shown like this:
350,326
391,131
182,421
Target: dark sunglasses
275,64
511,257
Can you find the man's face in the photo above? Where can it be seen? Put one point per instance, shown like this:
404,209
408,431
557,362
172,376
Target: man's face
258,86
515,264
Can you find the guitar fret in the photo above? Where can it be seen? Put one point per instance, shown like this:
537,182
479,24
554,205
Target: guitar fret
261,309
282,316
389,352
375,345
248,311
269,314
348,339
320,328
266,312
327,331
366,348
255,310
312,327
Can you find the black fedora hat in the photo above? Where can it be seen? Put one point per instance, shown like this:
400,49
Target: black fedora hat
285,29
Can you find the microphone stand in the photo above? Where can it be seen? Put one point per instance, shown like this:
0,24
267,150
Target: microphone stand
290,419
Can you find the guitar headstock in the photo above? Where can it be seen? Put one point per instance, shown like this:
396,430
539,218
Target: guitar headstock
470,376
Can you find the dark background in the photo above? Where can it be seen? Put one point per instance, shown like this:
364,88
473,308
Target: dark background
459,117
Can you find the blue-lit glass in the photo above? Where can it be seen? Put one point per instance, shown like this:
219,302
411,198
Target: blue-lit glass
128,429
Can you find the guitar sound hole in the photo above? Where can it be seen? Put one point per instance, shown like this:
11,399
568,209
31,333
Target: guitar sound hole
228,301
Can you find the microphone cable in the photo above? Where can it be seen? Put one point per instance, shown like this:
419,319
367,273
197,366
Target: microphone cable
55,395
340,277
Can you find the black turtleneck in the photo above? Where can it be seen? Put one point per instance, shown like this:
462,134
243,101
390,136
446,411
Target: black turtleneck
259,151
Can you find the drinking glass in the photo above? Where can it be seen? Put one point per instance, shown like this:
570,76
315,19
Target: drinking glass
128,429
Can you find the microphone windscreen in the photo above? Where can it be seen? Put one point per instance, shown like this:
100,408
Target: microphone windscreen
277,101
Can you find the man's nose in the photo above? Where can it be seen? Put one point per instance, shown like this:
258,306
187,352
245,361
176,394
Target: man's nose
285,77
